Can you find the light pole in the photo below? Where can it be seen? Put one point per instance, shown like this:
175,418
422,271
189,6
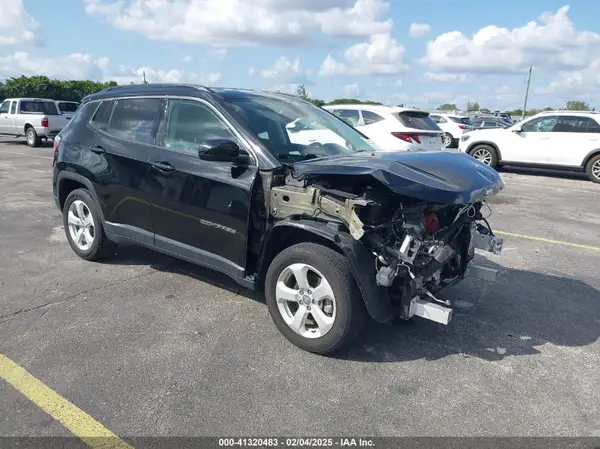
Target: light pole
526,92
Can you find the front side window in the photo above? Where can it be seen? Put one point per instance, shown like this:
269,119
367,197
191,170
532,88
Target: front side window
540,125
5,107
134,119
191,123
326,136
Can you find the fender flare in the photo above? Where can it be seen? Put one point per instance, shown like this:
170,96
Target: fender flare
63,175
376,298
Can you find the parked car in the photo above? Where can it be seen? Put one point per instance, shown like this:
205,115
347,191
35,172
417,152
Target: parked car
488,123
567,140
67,107
454,126
34,118
331,232
392,128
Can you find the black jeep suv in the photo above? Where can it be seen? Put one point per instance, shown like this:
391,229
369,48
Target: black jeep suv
278,194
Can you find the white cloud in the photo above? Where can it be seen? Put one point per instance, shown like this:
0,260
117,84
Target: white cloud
575,85
443,77
85,66
219,54
186,59
242,22
419,29
352,90
552,42
16,24
381,55
283,68
286,88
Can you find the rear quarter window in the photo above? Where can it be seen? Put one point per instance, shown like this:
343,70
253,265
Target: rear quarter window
416,120
102,116
38,107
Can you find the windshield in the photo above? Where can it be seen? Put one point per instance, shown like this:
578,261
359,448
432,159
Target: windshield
463,120
294,130
67,106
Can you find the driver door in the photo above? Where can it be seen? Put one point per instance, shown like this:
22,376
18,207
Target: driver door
200,209
533,144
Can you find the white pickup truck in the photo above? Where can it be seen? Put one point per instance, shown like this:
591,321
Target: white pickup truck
34,118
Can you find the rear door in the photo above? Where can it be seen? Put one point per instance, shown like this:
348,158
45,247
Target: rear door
572,138
418,123
116,155
200,209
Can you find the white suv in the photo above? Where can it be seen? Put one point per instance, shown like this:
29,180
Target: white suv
453,125
392,128
555,139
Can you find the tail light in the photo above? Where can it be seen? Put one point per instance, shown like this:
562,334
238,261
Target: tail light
463,126
431,223
410,138
44,122
56,145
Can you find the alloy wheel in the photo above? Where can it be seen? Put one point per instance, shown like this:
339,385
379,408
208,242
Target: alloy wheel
447,140
81,225
305,300
30,137
596,169
483,155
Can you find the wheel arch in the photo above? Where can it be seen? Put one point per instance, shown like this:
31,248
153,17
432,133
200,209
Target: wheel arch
485,142
67,182
288,232
589,157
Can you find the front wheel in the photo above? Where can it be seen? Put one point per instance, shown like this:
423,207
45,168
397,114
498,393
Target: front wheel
485,154
592,169
313,299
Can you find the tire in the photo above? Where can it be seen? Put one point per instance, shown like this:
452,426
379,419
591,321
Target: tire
486,155
592,169
99,247
448,140
33,140
347,310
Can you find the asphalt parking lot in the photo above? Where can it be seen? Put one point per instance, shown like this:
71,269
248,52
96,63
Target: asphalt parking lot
148,345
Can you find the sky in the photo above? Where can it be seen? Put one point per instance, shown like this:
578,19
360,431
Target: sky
416,52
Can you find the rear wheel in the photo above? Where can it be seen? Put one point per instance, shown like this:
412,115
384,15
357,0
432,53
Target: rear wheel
33,140
83,227
485,154
448,140
313,299
592,169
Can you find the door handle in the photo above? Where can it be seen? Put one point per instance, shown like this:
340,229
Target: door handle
163,166
98,149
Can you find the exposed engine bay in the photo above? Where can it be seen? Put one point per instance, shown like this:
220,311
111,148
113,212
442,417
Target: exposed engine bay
418,247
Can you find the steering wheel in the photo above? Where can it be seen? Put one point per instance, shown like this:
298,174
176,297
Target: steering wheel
315,148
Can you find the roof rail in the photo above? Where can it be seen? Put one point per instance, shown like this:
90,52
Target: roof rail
129,86
554,111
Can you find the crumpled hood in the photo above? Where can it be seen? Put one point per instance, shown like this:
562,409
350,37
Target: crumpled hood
437,176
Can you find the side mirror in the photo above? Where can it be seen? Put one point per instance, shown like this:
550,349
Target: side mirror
517,129
219,150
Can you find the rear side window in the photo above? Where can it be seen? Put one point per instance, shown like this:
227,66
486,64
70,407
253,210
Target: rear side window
102,115
370,117
13,107
348,115
416,120
593,127
571,124
38,107
134,119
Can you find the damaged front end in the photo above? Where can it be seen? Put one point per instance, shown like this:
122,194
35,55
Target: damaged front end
404,246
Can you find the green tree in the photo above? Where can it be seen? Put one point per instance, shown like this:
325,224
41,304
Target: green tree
473,106
352,101
574,105
448,107
43,87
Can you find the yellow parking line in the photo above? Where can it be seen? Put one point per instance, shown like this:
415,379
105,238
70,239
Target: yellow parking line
541,239
82,425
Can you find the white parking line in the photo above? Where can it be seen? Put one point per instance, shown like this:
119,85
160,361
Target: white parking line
26,154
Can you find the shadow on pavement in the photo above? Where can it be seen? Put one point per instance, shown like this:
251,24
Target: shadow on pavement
546,173
513,316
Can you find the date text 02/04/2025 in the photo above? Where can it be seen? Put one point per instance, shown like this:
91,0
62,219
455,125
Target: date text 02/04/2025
296,442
